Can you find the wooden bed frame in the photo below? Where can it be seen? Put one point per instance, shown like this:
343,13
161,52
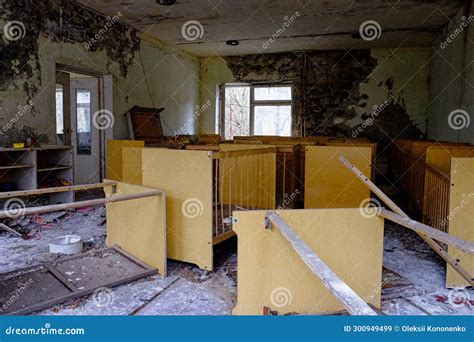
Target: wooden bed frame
203,188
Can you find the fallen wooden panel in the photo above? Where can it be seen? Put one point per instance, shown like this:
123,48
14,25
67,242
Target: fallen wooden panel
114,156
328,183
186,176
271,273
338,288
461,216
138,226
39,287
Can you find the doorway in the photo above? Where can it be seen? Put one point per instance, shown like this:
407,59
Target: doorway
81,101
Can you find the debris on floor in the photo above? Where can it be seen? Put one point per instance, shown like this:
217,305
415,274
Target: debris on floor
31,289
413,276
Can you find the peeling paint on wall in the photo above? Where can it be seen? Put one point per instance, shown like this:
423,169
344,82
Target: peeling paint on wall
60,21
337,92
65,33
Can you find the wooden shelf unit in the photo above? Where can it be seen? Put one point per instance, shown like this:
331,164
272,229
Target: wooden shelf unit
34,168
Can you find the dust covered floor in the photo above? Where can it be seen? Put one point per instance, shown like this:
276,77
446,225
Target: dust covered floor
413,277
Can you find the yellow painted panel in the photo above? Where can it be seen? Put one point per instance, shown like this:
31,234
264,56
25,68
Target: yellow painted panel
461,217
138,226
271,274
328,183
440,156
114,156
186,176
132,165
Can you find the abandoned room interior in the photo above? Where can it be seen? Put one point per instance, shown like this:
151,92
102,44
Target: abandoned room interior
243,157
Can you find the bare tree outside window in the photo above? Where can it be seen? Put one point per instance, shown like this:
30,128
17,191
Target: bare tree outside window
256,110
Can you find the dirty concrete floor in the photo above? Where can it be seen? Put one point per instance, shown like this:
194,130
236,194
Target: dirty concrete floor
190,291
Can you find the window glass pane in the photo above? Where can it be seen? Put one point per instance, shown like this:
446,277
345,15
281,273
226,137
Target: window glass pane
83,115
237,111
59,111
272,93
273,120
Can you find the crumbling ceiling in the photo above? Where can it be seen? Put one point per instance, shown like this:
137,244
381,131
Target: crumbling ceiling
313,24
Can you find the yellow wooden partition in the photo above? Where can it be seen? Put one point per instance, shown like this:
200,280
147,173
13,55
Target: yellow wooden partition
461,216
186,176
271,274
328,183
138,226
132,165
203,187
114,156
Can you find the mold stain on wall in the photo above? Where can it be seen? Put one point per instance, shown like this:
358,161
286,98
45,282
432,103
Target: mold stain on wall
328,97
62,21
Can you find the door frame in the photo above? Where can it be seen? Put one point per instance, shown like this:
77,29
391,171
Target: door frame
105,97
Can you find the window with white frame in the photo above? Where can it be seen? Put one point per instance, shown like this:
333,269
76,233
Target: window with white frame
248,109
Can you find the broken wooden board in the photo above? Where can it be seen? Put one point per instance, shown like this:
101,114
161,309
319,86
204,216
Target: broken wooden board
328,183
138,226
114,156
186,176
461,217
271,274
35,288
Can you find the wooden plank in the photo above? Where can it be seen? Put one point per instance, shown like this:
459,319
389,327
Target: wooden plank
186,176
22,193
139,226
339,289
269,269
328,184
421,228
10,230
75,205
114,156
461,217
456,263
